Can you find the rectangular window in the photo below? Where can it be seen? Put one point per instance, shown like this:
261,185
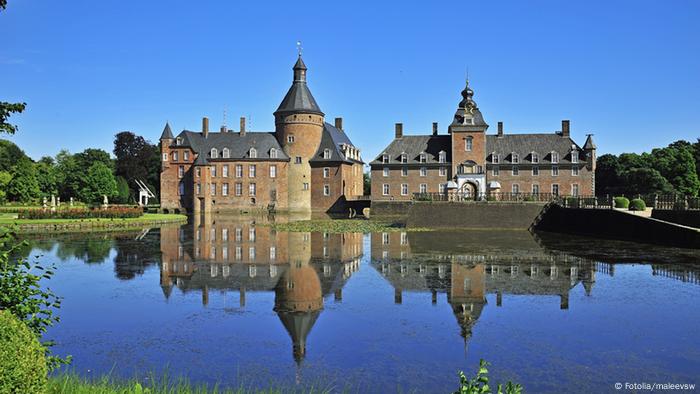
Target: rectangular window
574,156
273,171
305,186
181,171
385,159
495,158
251,171
175,156
404,171
186,156
297,160
404,189
213,171
423,171
441,158
516,171
442,188
326,190
251,234
495,171
423,188
213,189
404,158
224,189
239,171
181,188
251,189
555,171
423,158
326,172
385,171
290,139
535,189
468,144
555,189
385,189
574,189
165,157
516,188
224,171
574,171
443,171
238,189
535,171
198,171
199,189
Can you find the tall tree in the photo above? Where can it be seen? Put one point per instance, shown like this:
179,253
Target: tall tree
99,182
645,181
7,109
24,186
10,154
5,178
46,176
676,163
136,158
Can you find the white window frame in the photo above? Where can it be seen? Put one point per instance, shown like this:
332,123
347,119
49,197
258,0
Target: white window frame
273,153
225,153
514,158
253,153
238,189
385,189
515,171
224,171
326,153
423,188
443,171
495,158
404,189
252,171
442,157
534,157
535,188
290,139
326,172
555,157
555,170
423,171
574,171
574,156
555,186
326,190
252,189
273,171
535,171
385,158
214,153
515,188
385,171
239,170
165,157
181,171
575,189
423,158
404,158
496,171
404,171
224,189
468,144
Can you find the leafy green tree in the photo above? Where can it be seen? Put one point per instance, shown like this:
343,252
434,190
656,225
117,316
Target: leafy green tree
99,182
676,163
10,154
645,181
68,175
5,178
7,109
123,191
46,176
607,175
24,186
366,184
89,156
137,158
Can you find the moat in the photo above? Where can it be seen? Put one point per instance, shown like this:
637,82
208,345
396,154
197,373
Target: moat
230,300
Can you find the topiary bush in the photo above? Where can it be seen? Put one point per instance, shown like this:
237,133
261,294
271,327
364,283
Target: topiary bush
637,204
622,202
22,361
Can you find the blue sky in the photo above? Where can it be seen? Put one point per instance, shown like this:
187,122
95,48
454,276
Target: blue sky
628,71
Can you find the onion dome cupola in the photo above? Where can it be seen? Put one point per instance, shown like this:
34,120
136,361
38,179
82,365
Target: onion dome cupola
299,98
468,115
167,133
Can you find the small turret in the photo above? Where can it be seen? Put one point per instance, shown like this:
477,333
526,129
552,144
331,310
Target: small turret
167,133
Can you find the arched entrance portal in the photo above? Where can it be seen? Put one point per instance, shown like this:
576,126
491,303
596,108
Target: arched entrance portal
468,191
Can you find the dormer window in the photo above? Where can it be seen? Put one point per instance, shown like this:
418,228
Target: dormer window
225,153
423,158
442,157
326,153
468,144
178,141
535,158
273,153
574,156
514,158
253,153
495,158
555,157
404,158
385,158
214,153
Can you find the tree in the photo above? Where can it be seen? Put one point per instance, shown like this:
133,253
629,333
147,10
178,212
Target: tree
46,176
88,157
99,182
136,158
67,175
645,181
5,178
366,184
10,154
607,175
7,109
24,186
123,191
676,163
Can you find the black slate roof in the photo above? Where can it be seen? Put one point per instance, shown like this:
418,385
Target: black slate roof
525,144
167,133
299,99
414,145
589,143
333,139
238,145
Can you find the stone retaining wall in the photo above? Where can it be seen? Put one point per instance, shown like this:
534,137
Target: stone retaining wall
686,218
485,215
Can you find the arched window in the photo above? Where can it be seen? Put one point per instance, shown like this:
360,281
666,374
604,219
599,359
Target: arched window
535,158
253,153
225,153
326,153
273,153
214,153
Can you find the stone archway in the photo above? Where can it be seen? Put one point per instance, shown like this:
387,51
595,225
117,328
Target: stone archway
468,191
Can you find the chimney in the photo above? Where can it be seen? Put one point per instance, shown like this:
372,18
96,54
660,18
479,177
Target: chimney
339,123
565,131
500,129
242,125
223,128
435,128
398,130
205,126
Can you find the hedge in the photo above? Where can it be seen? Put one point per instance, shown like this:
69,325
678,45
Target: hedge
637,204
622,202
22,360
81,213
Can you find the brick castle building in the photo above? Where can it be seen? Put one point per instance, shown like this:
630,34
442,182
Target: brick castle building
306,164
467,163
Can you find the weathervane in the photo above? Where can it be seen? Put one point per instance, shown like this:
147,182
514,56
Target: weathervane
299,48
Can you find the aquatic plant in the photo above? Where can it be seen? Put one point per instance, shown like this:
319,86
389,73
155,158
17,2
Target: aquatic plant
479,384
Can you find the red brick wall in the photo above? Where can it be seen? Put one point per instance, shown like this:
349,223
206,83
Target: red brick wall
339,174
525,179
460,155
170,179
414,180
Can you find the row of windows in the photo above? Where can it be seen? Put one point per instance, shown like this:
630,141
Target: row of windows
555,189
238,234
252,153
176,156
515,188
422,157
237,189
534,157
252,171
515,171
422,188
423,171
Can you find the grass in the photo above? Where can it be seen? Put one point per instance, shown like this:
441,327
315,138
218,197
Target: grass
342,226
9,218
72,383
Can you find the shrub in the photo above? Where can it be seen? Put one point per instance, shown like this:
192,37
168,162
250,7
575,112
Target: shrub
622,202
22,362
637,204
81,213
424,197
480,383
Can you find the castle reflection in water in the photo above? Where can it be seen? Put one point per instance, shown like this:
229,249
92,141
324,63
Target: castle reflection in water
303,268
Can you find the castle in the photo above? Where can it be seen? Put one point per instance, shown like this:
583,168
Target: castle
306,164
469,164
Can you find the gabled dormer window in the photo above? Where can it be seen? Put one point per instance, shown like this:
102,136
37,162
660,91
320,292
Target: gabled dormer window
225,153
495,158
534,157
178,141
514,158
385,158
555,157
423,158
253,153
574,156
442,157
273,153
326,153
214,153
404,158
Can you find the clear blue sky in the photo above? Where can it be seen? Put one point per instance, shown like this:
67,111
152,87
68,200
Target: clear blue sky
628,71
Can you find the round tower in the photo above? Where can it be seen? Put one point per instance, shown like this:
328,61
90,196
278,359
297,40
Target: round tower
299,127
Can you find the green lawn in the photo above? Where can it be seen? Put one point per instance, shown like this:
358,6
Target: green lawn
11,218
